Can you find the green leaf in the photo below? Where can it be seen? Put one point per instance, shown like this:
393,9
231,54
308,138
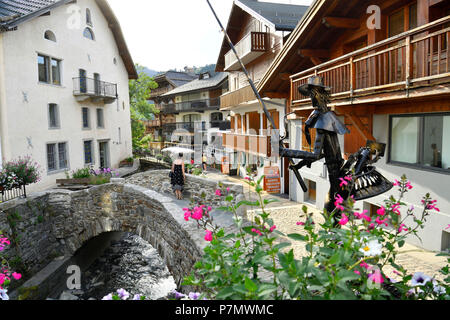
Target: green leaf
298,237
248,203
335,258
282,245
268,201
266,289
250,285
225,293
401,243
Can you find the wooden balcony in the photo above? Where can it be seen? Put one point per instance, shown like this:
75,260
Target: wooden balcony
153,123
253,45
235,98
415,58
253,144
158,91
94,90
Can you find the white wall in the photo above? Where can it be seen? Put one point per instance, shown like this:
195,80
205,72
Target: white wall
29,119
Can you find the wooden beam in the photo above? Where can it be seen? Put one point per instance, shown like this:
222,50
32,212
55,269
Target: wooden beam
343,23
357,123
316,61
284,76
316,53
277,95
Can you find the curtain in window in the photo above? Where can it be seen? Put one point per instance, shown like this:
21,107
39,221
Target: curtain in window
405,134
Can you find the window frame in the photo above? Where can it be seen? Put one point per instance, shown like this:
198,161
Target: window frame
58,118
57,158
88,118
92,152
91,33
419,166
48,59
102,124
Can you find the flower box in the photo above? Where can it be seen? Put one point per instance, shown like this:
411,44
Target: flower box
79,181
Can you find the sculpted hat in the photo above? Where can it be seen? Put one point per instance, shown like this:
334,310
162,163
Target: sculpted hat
314,81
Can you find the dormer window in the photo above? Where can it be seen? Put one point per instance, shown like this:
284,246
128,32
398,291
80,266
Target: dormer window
204,75
88,33
49,36
88,17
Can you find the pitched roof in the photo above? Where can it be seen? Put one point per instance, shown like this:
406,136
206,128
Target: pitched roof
176,78
283,16
14,12
200,84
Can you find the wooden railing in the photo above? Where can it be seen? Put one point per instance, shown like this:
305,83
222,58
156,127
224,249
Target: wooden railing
400,62
252,42
13,193
159,91
234,98
253,144
153,123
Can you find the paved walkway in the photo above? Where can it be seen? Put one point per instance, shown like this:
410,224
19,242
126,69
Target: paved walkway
286,214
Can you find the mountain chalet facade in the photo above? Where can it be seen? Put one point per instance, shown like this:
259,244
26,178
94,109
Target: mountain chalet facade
389,84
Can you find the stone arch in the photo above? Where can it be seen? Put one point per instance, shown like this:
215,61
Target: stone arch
71,218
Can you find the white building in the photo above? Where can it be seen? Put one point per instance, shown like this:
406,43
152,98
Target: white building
64,100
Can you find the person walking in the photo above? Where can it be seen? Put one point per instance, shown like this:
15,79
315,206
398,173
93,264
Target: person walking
178,177
204,159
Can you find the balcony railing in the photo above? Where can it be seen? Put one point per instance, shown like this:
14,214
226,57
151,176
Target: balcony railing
221,125
195,106
235,98
159,91
153,123
96,90
405,61
253,144
253,45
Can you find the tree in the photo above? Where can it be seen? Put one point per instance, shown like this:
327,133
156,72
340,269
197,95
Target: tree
141,109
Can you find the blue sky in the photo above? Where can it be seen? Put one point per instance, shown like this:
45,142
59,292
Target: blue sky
169,34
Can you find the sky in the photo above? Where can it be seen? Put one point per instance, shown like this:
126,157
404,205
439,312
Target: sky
172,34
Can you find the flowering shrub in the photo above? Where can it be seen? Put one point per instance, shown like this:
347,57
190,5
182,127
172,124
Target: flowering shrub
122,294
5,273
346,256
99,176
23,171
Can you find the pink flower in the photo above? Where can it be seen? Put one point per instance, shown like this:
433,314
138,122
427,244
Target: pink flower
432,206
376,277
192,161
187,215
371,226
228,189
257,231
448,227
247,178
338,202
16,275
396,182
408,185
348,178
395,208
402,228
344,220
365,217
364,265
218,192
343,182
272,228
357,272
379,221
208,236
381,211
302,224
209,208
198,213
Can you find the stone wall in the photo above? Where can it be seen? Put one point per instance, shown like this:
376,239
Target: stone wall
57,223
195,186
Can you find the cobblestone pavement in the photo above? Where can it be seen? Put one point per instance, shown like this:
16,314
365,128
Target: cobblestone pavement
286,214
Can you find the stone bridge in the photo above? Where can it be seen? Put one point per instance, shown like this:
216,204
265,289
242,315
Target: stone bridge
57,223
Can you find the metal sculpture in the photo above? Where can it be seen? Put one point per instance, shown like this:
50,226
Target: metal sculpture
366,182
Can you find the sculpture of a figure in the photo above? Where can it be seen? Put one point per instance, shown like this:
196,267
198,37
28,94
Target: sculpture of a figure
367,181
